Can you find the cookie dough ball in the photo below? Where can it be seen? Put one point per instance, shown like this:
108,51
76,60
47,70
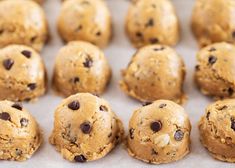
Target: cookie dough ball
155,72
22,73
87,20
20,135
213,21
23,23
151,22
85,128
217,130
81,67
159,133
215,70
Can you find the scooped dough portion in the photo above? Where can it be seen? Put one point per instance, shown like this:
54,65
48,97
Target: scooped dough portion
217,130
155,72
20,135
215,70
213,21
81,67
152,22
85,128
22,22
159,133
22,73
87,20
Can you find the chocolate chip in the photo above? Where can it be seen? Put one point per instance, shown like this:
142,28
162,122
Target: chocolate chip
24,122
79,28
146,103
8,63
26,53
212,49
159,49
222,107
230,91
233,124
179,135
86,127
76,80
162,105
98,33
5,116
88,63
212,59
32,86
80,158
17,106
74,105
156,126
19,152
197,67
153,40
131,132
233,34
103,108
139,34
150,23
208,115
154,152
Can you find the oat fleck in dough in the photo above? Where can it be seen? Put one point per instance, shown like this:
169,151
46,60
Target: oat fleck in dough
85,128
213,21
155,72
20,134
159,133
151,22
87,20
22,73
23,23
215,70
217,130
81,67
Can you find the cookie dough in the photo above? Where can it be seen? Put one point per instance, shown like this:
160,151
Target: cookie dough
85,128
155,72
81,67
217,130
20,134
213,21
159,133
87,20
215,70
23,23
151,22
22,73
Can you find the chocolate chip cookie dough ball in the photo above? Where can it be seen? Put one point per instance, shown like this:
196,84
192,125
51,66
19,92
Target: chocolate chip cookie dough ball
87,20
151,22
20,135
22,22
155,72
81,67
22,73
85,128
213,21
159,133
217,130
215,70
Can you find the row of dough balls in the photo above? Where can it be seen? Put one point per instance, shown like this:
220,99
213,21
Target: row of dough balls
86,129
147,22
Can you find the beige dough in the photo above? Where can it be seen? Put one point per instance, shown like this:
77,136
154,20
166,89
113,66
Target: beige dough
159,133
22,73
217,130
155,72
23,23
213,21
20,135
85,128
151,22
215,70
81,67
87,20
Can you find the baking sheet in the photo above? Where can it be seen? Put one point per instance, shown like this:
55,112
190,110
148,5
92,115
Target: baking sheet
119,53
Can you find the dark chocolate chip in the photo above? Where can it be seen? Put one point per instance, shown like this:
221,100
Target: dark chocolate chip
208,115
33,39
162,105
197,67
74,105
8,63
24,122
233,34
98,33
103,108
88,63
179,135
154,152
156,126
233,124
159,49
222,107
139,34
212,59
212,49
32,86
5,116
146,103
17,106
80,158
230,91
150,23
86,127
76,80
26,53
131,132
153,40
